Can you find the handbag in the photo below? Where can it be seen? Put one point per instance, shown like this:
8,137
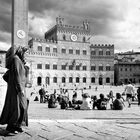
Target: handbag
6,76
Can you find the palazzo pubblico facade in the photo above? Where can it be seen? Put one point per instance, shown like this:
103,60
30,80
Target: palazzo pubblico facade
66,57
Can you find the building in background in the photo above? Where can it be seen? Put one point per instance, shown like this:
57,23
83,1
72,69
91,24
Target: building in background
102,64
127,68
66,57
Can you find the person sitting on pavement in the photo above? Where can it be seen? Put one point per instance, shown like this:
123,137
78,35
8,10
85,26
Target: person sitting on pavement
118,103
86,102
102,102
94,101
110,96
52,101
64,102
74,103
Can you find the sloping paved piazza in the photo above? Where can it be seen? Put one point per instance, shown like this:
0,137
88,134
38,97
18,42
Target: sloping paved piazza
57,124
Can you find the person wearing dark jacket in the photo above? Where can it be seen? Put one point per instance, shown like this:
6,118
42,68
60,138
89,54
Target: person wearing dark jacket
14,112
102,102
42,94
118,102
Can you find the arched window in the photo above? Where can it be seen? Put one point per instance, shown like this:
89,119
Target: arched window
77,67
108,68
77,79
54,66
47,49
39,81
39,48
100,52
84,67
70,80
84,79
77,51
107,80
63,50
100,67
84,52
47,66
70,51
93,52
55,79
107,52
63,80
63,66
54,49
93,67
92,79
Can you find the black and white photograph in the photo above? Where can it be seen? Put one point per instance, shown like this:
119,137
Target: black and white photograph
69,69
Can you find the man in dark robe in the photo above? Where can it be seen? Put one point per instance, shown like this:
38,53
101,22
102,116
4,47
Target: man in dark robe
14,112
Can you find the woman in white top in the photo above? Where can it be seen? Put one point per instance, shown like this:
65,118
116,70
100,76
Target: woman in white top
86,102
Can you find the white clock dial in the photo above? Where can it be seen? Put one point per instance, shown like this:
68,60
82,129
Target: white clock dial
21,34
73,37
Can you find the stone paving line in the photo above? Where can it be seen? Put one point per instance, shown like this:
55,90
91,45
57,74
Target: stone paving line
57,124
78,130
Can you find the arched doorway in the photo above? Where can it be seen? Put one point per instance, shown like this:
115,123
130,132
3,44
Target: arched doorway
100,80
39,80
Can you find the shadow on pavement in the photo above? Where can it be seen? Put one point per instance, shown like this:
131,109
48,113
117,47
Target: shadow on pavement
5,133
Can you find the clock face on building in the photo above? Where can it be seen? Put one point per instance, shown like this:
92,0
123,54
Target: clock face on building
21,34
73,37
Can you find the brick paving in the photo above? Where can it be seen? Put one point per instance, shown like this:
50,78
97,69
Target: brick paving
57,124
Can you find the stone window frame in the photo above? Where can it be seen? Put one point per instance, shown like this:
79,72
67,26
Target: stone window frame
39,48
100,67
47,49
63,79
84,79
77,67
54,79
100,52
54,50
39,66
84,67
70,51
108,52
107,79
84,52
54,66
63,50
47,66
92,81
77,79
108,67
71,79
77,51
93,51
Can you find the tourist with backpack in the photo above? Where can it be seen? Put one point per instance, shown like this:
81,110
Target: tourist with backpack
102,103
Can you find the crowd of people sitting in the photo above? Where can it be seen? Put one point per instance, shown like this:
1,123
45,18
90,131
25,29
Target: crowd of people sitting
87,103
